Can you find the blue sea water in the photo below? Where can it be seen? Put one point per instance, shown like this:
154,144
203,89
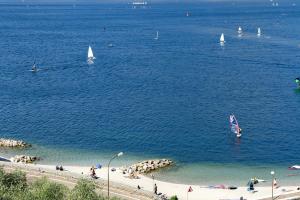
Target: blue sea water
149,98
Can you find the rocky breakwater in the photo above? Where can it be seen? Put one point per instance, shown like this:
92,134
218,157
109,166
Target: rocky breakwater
148,166
12,143
23,159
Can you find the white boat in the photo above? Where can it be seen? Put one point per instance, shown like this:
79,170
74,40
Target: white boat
258,32
139,3
258,180
240,31
91,57
222,39
157,35
295,167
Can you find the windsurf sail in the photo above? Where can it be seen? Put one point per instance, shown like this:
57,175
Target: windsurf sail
234,125
222,38
34,67
90,53
258,32
240,31
157,35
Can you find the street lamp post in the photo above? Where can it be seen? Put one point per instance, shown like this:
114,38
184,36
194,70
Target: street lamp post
115,156
273,174
152,175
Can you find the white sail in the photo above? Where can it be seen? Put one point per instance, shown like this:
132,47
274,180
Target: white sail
90,53
258,32
240,31
222,38
157,35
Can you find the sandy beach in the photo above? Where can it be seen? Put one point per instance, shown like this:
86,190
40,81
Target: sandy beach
170,189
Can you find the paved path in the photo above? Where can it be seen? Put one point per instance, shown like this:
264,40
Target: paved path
292,196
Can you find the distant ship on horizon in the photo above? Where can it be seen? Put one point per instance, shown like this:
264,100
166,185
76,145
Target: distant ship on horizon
139,4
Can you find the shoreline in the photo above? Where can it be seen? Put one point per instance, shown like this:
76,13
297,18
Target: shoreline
204,173
167,188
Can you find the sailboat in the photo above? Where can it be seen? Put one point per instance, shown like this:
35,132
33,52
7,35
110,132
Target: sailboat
240,31
34,68
234,125
222,39
258,32
91,57
157,35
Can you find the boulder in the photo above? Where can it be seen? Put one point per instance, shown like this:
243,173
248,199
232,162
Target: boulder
12,143
148,166
24,159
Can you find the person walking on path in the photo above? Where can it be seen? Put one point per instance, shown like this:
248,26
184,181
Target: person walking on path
155,188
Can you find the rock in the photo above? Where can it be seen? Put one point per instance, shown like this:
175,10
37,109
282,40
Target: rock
24,159
12,143
148,166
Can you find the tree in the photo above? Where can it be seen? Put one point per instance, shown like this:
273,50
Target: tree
174,198
84,190
43,189
16,179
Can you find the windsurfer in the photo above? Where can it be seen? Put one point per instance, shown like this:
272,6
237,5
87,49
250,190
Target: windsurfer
34,68
297,80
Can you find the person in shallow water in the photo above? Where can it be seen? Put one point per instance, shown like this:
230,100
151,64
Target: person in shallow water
251,186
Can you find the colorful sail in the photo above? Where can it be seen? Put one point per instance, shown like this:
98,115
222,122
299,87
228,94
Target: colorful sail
234,125
297,80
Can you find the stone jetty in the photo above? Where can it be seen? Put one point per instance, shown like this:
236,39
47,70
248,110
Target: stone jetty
148,166
24,159
12,143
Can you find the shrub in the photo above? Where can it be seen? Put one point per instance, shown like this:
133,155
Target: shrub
43,189
174,198
84,190
15,179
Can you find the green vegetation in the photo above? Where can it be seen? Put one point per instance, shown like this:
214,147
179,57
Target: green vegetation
14,186
174,198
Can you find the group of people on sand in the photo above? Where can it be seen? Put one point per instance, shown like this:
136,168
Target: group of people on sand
132,173
60,168
256,181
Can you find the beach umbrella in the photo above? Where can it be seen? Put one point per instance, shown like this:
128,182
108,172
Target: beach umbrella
98,166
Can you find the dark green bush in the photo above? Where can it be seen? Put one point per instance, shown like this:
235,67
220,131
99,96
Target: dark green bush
15,179
43,189
84,190
174,198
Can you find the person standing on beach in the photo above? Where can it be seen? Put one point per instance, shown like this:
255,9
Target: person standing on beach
275,183
155,189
